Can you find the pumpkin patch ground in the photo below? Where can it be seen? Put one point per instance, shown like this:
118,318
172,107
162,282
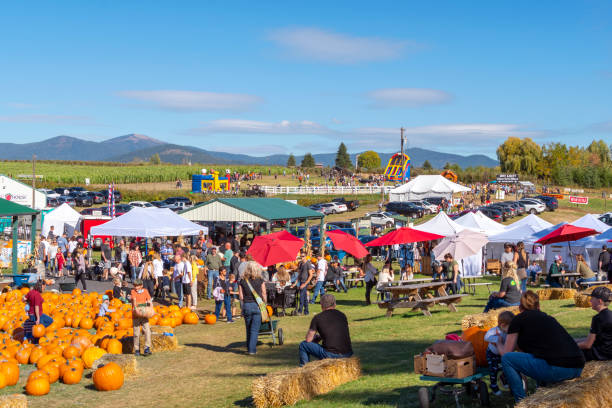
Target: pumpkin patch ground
210,368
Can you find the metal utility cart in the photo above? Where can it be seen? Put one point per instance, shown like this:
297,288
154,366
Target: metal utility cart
271,329
473,386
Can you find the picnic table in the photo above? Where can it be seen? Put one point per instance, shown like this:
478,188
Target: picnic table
471,282
352,278
408,282
418,296
570,281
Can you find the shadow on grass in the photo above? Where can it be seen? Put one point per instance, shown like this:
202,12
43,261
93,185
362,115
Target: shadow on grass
235,348
350,302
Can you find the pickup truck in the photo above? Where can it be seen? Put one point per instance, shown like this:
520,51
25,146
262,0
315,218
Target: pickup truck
352,205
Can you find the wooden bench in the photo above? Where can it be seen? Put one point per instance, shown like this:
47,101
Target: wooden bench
472,286
419,297
422,304
351,283
589,284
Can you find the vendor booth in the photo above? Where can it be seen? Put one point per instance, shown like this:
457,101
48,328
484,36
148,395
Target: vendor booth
62,219
426,186
15,212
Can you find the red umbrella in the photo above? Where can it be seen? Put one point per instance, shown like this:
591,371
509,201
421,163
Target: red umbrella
566,233
275,248
404,235
347,242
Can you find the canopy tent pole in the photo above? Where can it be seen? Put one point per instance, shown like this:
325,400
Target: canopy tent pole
14,231
33,233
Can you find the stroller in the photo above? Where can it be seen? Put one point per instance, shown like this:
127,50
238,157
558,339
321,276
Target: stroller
95,272
283,299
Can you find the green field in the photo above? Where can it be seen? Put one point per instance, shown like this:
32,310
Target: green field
75,173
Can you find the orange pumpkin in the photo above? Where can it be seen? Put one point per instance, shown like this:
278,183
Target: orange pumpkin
108,377
114,346
86,323
36,353
52,371
23,355
2,381
210,318
38,374
71,352
475,335
76,292
191,318
10,372
37,387
72,376
38,330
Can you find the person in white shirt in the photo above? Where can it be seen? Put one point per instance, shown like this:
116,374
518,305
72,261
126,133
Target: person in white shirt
321,272
181,275
370,277
508,255
51,253
158,272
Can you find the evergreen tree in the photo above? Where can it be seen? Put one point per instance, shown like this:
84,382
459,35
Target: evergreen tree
427,165
308,160
291,160
343,160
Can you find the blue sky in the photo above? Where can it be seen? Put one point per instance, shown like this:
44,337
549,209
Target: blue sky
278,77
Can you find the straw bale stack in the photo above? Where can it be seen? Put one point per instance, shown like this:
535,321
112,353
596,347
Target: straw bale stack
581,300
290,386
159,342
13,401
556,293
485,320
127,362
591,390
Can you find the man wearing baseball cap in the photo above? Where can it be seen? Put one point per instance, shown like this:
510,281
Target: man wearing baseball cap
598,345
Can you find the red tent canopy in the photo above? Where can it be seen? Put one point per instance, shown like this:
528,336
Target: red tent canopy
275,248
404,235
348,243
565,233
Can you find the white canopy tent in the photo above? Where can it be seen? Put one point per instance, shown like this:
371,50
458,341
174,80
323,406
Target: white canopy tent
523,233
62,219
532,220
480,222
148,223
441,224
426,186
591,221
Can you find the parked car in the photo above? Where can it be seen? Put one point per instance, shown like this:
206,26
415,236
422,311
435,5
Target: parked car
68,200
337,208
81,199
93,211
49,193
352,205
533,205
327,208
435,200
158,204
53,202
381,218
116,193
518,207
606,218
62,190
318,208
77,189
405,208
511,210
96,197
175,200
429,208
142,204
492,213
120,209
551,202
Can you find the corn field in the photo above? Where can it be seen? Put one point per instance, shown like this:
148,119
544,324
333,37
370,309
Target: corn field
75,173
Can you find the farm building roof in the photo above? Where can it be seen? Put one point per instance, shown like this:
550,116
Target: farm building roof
8,208
248,210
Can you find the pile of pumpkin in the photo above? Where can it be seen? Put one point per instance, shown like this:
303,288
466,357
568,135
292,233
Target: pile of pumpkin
73,342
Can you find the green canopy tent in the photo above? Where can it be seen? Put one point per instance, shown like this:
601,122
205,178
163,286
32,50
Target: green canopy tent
13,210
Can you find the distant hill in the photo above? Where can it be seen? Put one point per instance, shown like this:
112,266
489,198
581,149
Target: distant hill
132,147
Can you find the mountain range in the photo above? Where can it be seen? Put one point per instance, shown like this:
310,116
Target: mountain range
136,147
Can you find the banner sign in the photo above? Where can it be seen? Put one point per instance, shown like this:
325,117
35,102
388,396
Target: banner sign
578,200
507,178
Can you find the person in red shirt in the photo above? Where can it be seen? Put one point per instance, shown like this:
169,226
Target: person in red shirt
35,301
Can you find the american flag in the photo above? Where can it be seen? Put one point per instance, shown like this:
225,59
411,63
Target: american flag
111,200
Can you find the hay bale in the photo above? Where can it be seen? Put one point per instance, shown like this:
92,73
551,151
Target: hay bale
13,401
127,362
483,320
581,300
161,329
591,390
290,386
556,293
159,342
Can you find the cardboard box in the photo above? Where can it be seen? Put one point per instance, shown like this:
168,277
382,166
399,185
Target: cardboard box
439,366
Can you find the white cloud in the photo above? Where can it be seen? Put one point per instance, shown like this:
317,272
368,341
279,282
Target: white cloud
408,97
253,150
321,45
284,127
194,101
43,118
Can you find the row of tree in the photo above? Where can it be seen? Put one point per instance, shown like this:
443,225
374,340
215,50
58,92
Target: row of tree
558,164
369,160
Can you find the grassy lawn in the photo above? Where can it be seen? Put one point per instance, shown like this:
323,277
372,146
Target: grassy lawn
212,370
